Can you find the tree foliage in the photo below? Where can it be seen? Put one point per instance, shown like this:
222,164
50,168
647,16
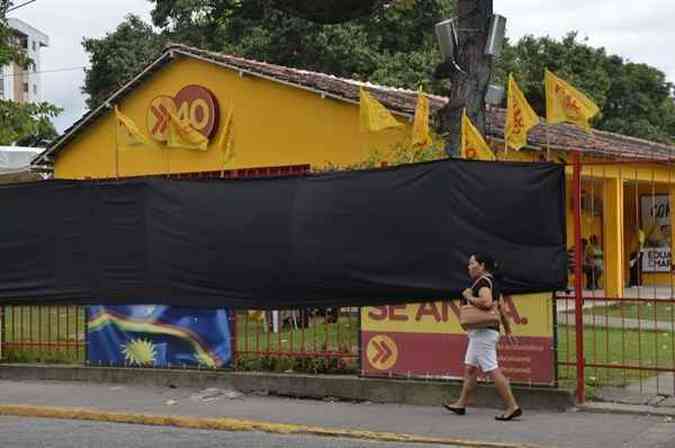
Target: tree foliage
22,123
635,99
27,124
117,57
394,46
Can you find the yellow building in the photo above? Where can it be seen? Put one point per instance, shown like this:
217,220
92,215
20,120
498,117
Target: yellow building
288,117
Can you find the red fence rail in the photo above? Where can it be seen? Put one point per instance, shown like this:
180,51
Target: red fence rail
601,341
627,343
43,333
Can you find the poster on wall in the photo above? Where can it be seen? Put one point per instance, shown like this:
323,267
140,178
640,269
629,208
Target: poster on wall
158,336
426,340
656,225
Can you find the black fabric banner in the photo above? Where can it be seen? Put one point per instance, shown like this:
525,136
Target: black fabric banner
369,237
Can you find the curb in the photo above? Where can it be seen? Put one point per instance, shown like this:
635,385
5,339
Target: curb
230,424
626,409
337,387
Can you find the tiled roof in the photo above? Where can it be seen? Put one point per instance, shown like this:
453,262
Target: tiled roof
400,101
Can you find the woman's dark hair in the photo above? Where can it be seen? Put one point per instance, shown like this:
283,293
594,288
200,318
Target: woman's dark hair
490,264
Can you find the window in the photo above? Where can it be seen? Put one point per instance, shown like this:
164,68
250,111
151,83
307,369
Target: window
24,42
34,89
25,87
34,46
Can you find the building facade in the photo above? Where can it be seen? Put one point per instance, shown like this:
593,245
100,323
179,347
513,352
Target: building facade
279,116
23,84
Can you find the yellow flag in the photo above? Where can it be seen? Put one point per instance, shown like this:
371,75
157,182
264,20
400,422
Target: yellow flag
520,117
127,131
226,141
182,135
420,129
374,116
565,103
473,144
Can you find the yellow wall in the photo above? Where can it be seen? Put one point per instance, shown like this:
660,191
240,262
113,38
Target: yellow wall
273,124
615,185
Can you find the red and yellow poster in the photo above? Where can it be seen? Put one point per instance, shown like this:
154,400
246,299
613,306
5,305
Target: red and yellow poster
426,340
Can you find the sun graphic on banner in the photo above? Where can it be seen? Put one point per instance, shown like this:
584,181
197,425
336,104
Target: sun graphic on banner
140,352
204,359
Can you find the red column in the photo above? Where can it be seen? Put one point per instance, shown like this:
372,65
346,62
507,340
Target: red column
578,278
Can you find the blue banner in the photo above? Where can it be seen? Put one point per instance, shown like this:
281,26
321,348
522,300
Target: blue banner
158,336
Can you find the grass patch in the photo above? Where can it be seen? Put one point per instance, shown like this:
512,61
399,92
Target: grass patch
43,334
646,349
657,311
72,355
320,336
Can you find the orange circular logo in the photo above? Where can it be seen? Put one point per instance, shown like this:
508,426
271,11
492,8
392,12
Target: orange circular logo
199,107
382,352
471,153
157,118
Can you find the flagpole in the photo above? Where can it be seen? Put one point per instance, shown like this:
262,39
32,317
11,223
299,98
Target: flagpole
117,149
168,161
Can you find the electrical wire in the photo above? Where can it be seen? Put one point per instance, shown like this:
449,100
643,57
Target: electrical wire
14,8
65,69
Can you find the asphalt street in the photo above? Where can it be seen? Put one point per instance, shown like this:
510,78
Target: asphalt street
48,433
538,428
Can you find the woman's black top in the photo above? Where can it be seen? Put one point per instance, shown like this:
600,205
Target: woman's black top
485,281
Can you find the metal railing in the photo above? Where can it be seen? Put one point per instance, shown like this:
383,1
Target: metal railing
309,340
43,333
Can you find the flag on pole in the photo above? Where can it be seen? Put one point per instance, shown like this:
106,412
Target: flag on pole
420,129
520,117
564,103
127,131
182,135
473,145
374,116
226,140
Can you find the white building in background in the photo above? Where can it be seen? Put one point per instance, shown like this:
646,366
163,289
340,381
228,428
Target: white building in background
23,84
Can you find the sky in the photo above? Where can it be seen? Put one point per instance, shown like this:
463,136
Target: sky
637,31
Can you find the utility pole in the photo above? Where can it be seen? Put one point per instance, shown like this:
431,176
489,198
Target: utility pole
469,86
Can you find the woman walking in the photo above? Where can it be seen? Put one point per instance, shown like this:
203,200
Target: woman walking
481,352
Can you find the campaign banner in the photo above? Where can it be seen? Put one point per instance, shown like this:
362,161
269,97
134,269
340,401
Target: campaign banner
426,340
656,259
158,336
655,218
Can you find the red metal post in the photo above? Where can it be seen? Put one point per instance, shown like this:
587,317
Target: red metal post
578,272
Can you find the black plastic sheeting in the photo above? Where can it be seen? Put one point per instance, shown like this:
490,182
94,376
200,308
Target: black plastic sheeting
369,237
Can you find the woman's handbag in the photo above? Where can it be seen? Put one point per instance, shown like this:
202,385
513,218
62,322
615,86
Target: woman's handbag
471,317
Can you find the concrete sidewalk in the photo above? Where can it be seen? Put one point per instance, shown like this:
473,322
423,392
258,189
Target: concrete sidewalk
339,387
538,428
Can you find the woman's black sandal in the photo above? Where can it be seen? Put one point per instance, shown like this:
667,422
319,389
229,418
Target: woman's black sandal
458,411
505,418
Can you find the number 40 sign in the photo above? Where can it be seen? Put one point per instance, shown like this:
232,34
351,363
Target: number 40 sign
192,103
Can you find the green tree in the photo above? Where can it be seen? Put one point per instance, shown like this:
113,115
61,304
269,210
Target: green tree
21,122
395,46
117,57
374,47
635,99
